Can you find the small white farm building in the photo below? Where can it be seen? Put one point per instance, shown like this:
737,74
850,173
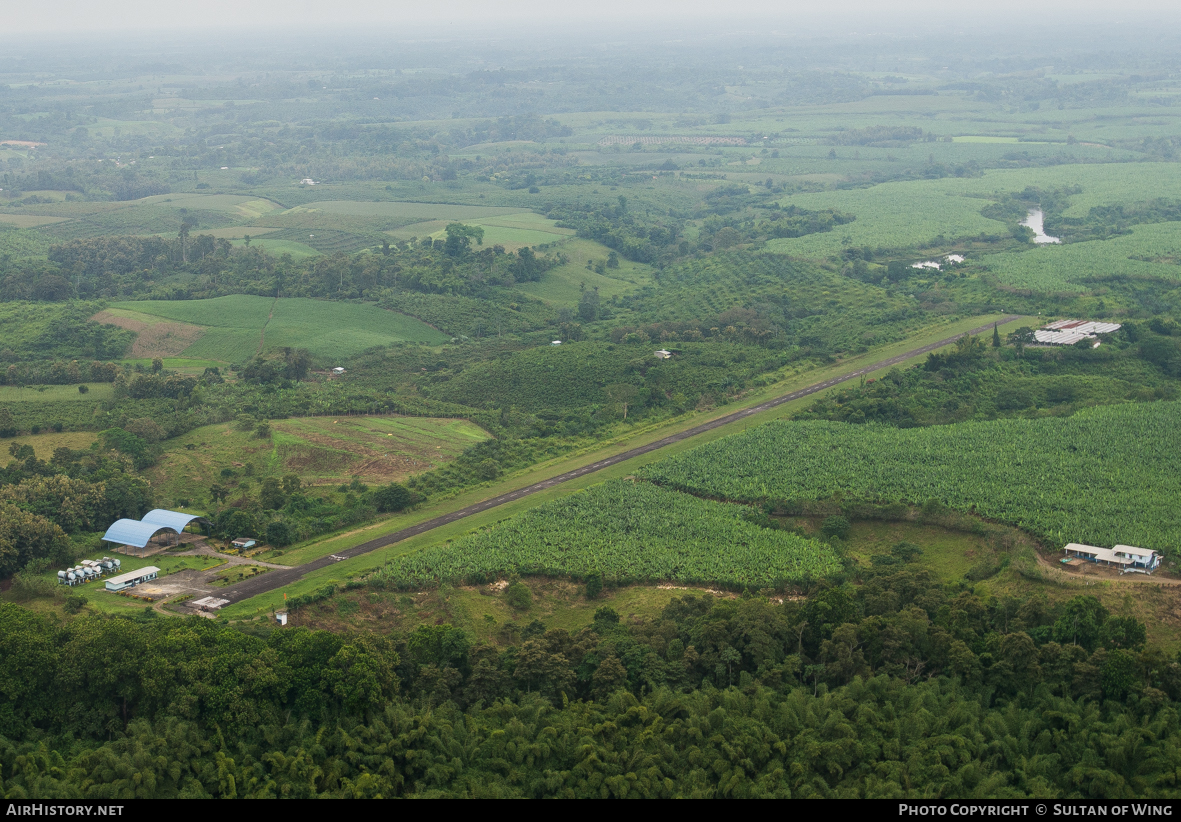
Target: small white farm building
1124,557
132,578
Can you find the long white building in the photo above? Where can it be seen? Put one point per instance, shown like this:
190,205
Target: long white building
1121,556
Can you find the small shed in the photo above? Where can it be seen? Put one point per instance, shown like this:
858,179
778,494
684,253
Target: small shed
132,578
663,354
556,342
244,543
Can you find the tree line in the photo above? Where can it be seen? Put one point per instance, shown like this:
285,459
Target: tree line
901,687
201,266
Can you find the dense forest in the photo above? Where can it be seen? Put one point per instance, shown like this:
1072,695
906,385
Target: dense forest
897,687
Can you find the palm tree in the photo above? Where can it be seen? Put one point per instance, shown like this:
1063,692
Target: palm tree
185,227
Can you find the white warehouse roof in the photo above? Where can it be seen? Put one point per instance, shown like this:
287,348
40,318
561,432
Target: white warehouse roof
132,576
1088,327
1059,337
1119,555
1068,332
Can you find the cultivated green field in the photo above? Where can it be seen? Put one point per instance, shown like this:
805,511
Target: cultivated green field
1105,476
330,330
1068,267
279,247
915,212
627,532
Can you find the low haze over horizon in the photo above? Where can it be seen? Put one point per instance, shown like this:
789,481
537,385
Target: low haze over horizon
467,17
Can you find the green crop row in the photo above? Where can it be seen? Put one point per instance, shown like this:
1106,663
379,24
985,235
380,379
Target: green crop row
1105,476
628,532
1150,250
456,315
324,240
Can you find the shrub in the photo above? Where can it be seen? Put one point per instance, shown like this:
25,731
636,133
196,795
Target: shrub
518,596
594,585
278,534
25,587
75,603
837,527
393,497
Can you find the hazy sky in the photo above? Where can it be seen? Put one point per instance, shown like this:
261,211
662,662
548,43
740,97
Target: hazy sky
462,16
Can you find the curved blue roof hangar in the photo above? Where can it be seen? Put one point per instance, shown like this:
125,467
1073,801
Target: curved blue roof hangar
133,532
169,519
140,532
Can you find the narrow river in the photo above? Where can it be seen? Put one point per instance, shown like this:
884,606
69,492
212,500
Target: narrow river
1036,221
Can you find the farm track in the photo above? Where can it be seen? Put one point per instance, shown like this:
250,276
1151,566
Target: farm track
277,579
262,337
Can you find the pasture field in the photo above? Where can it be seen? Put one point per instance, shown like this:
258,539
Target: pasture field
1058,268
28,220
563,285
245,207
1105,476
329,330
321,450
914,212
627,532
238,232
45,444
278,248
514,238
369,217
513,231
99,392
177,364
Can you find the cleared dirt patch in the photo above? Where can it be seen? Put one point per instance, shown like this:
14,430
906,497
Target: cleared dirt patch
376,458
160,339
